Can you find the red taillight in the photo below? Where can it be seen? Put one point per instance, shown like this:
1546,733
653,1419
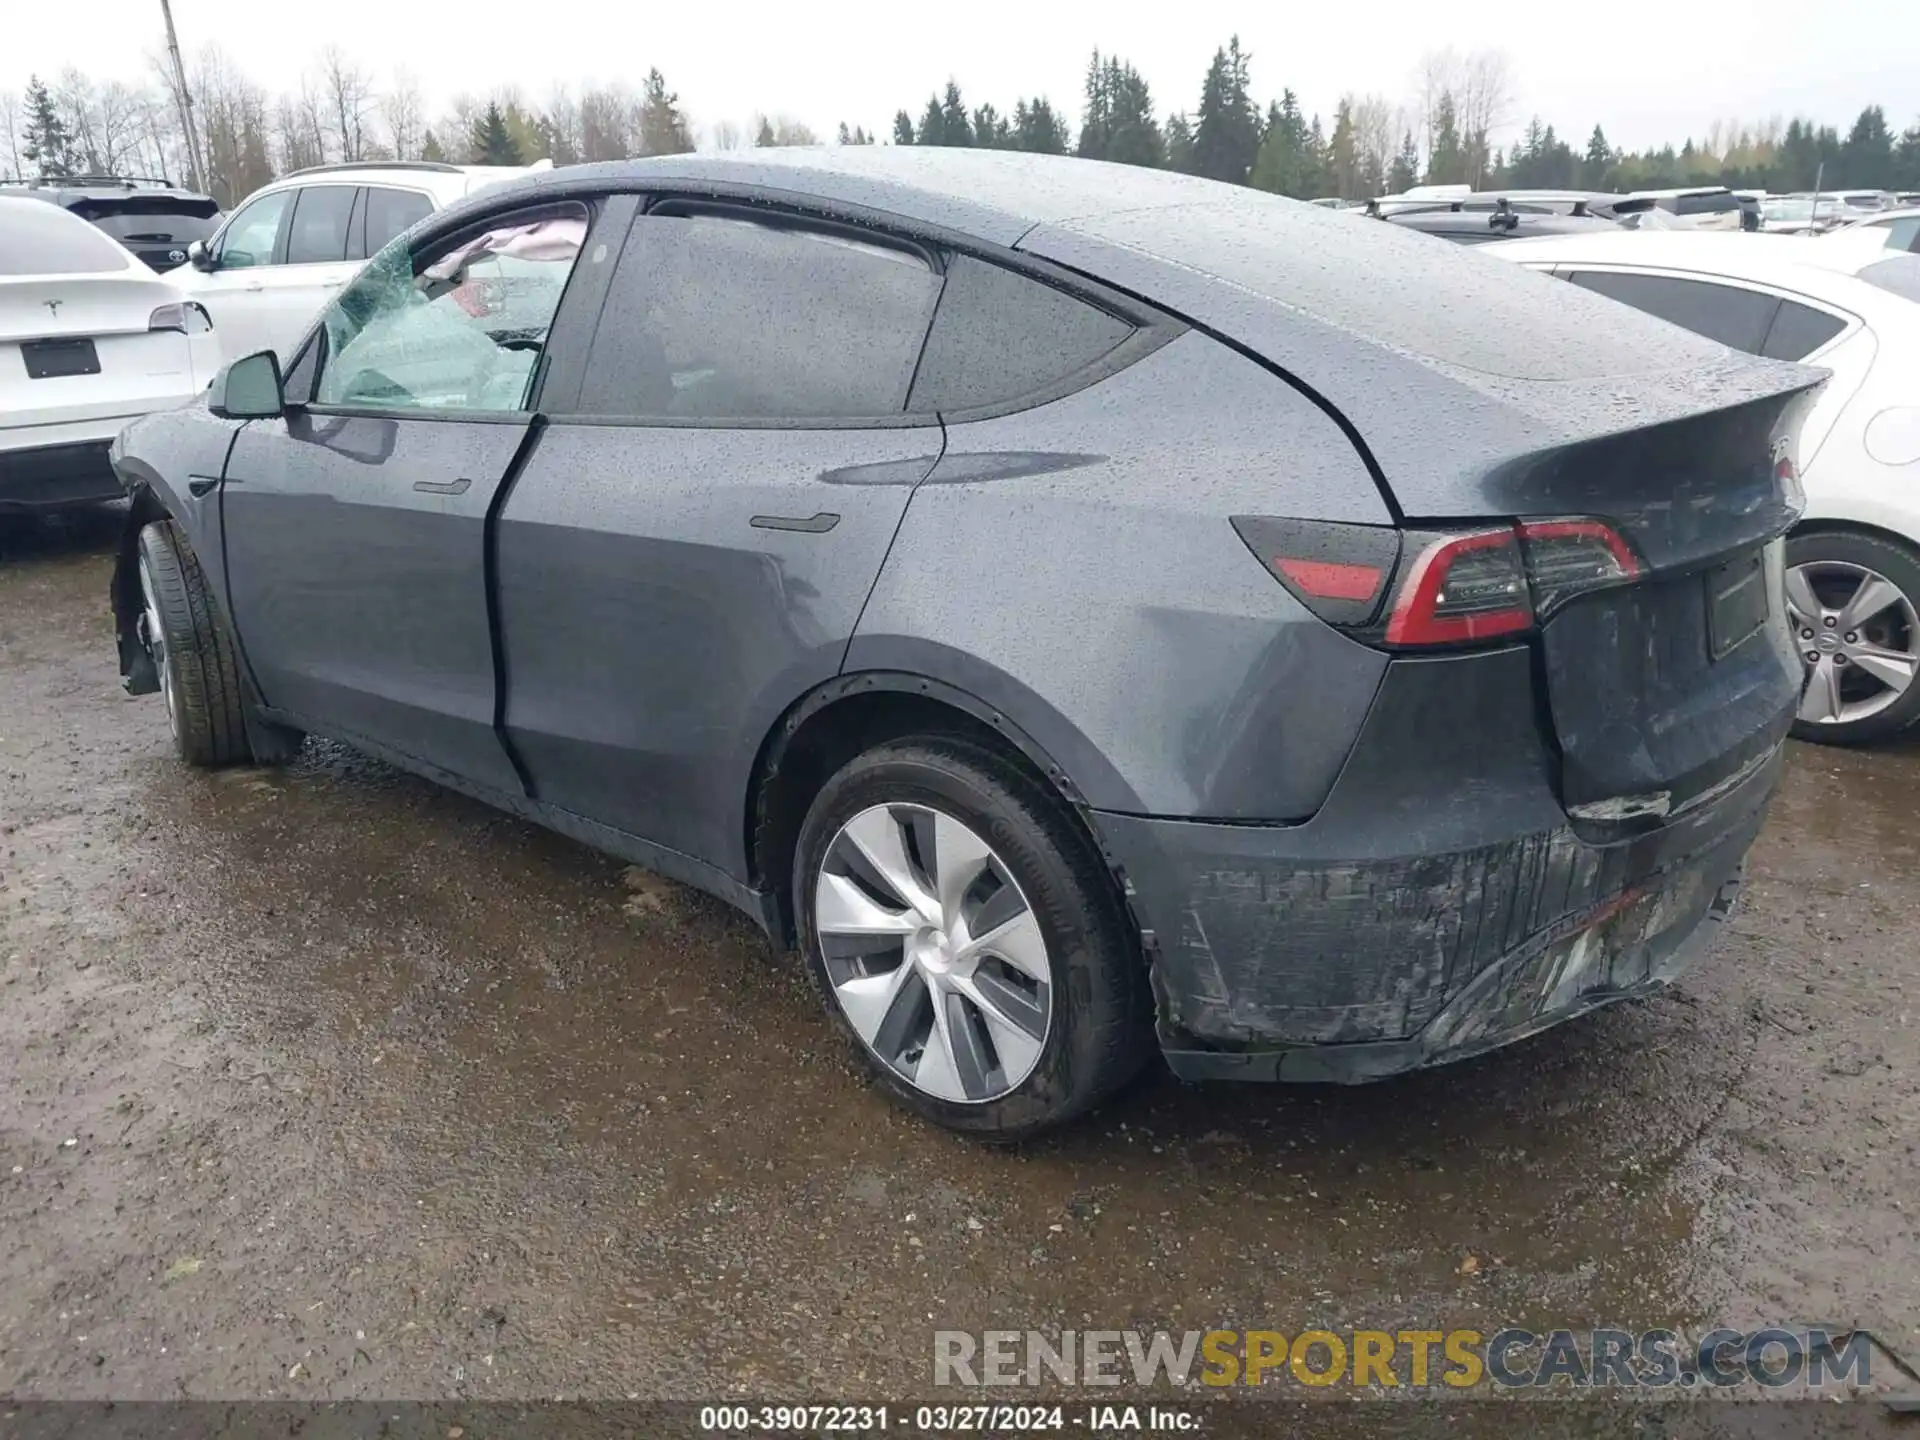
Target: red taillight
1460,589
1436,587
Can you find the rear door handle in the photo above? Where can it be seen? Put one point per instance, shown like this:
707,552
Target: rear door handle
442,487
199,485
807,525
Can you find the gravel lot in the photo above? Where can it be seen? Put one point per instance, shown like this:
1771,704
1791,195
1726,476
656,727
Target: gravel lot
328,1083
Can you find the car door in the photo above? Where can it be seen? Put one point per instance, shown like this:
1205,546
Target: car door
689,548
355,524
313,266
242,257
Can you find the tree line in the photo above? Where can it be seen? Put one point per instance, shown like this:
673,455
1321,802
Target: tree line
239,137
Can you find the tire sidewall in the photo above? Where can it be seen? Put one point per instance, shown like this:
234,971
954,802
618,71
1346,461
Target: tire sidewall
1900,564
946,778
162,562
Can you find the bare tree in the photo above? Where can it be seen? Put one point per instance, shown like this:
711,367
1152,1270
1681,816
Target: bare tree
1377,127
10,131
562,122
784,131
1483,100
348,96
726,135
401,108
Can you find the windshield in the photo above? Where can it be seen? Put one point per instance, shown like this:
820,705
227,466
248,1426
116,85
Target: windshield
37,238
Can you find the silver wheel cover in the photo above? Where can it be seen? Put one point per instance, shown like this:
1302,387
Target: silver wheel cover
1858,637
155,639
933,952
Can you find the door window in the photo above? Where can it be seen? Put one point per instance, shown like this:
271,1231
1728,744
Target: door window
716,317
249,237
462,331
998,335
391,211
319,232
1904,233
1740,318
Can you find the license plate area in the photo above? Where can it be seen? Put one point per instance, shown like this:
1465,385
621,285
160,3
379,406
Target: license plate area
1737,602
54,359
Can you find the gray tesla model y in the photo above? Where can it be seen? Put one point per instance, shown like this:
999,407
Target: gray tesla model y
1084,609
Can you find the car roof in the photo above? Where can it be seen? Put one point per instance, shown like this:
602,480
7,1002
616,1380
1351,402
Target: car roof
65,190
445,182
1476,222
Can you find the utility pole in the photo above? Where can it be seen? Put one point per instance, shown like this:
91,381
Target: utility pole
195,175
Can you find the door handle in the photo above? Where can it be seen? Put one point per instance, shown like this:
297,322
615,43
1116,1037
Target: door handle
200,485
811,525
442,487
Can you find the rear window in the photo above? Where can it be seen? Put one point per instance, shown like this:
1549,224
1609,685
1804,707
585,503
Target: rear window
37,238
1701,204
1799,330
1740,318
998,336
1897,274
319,233
141,220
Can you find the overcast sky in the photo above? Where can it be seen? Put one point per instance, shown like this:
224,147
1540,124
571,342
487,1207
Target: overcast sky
1649,70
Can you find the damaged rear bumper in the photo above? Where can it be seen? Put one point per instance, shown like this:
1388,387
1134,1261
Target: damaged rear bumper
1439,905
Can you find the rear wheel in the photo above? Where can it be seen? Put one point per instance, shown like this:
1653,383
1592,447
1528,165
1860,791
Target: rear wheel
1852,602
194,659
968,941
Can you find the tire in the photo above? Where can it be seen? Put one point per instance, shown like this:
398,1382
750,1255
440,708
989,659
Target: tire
1041,871
1827,566
199,672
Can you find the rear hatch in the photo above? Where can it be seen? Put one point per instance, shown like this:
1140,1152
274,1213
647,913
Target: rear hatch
1483,394
82,347
157,228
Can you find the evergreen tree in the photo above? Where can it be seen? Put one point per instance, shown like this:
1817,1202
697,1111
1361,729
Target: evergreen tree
855,136
1404,173
1316,181
663,128
1226,129
1118,123
902,128
1038,128
991,129
1180,143
1343,155
48,148
944,122
764,136
1284,164
492,143
1447,162
1906,160
1597,164
432,149
1867,158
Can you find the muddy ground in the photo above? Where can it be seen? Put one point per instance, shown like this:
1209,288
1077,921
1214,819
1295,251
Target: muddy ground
329,1083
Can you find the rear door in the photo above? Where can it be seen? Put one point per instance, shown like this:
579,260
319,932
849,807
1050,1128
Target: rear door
313,265
689,547
355,525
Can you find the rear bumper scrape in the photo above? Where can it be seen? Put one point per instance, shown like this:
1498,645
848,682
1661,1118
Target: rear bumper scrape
1439,905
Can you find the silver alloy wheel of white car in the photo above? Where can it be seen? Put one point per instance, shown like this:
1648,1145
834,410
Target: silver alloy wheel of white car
933,952
1858,636
154,637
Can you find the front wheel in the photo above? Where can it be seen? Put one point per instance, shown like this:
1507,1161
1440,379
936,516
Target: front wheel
968,941
194,659
1851,599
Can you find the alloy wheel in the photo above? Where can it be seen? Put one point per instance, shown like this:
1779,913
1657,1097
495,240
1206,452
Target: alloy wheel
154,637
1858,636
933,952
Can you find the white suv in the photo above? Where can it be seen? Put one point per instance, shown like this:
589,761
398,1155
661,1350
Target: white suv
289,246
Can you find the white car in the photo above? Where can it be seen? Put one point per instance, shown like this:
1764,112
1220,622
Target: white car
1900,227
90,339
288,247
1847,304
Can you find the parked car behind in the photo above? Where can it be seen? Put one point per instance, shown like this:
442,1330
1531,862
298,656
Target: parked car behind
289,247
1900,227
153,219
90,338
1466,224
1078,605
1847,305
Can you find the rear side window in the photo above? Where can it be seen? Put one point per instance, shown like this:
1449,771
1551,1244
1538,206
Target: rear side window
319,231
998,335
1740,318
1904,233
41,239
715,317
1799,330
391,211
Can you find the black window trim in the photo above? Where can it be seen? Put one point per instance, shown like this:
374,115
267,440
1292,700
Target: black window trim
1566,269
468,225
1152,327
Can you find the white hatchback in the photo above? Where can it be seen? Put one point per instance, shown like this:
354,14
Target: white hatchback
288,247
90,339
1846,303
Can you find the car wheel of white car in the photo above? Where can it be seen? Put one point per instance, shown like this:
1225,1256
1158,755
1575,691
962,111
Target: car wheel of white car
1851,598
199,675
